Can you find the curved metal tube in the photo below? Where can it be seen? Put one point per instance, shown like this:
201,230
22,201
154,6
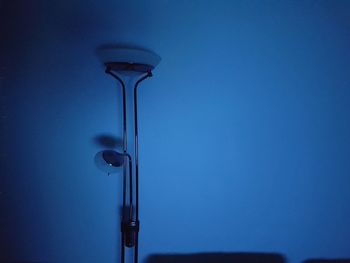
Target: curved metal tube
108,71
149,74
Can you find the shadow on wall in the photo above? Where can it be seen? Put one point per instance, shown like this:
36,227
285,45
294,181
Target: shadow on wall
108,141
217,257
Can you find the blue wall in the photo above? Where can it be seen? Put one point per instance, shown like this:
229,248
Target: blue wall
244,129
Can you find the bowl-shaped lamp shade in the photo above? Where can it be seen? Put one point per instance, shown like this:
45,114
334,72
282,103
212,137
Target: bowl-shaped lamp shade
129,61
109,161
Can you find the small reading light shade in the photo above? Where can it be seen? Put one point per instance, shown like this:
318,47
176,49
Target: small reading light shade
109,161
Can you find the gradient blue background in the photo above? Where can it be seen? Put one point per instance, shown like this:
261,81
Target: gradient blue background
244,129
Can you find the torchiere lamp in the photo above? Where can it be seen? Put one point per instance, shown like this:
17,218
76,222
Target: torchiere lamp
138,64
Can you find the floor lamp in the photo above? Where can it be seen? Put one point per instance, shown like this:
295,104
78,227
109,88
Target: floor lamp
137,64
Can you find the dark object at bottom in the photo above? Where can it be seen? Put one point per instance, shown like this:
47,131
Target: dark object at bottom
217,257
334,260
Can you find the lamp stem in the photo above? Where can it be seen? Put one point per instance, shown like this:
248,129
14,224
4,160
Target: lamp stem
108,71
130,185
129,224
149,74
